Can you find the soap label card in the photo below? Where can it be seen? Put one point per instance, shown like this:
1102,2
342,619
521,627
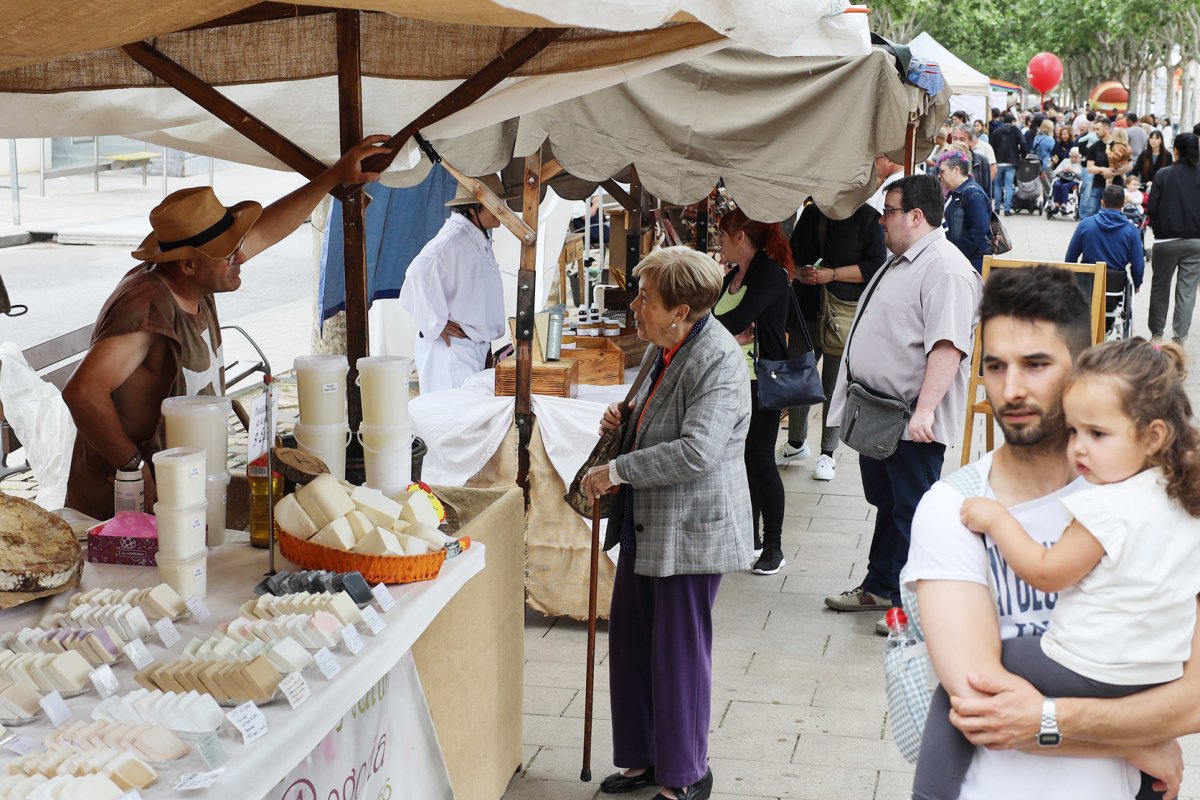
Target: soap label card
384,598
295,689
211,751
197,780
248,719
55,708
352,640
167,634
326,663
139,654
105,681
22,745
198,609
374,622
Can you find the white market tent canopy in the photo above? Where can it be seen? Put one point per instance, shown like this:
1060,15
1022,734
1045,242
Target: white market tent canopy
969,88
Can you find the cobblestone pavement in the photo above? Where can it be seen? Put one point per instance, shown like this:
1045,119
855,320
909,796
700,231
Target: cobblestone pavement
798,706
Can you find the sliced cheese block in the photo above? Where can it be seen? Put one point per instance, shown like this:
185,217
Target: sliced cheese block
360,524
379,542
428,533
379,509
336,534
294,519
419,509
326,496
401,526
414,546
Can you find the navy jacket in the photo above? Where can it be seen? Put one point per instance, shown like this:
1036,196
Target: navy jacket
968,222
1109,237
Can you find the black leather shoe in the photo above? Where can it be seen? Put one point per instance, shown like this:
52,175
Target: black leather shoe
700,790
619,784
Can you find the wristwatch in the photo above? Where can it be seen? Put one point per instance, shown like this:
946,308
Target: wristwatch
134,464
1048,735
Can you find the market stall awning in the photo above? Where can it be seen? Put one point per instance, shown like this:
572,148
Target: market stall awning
962,77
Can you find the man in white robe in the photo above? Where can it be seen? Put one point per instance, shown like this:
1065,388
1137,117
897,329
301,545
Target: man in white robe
454,292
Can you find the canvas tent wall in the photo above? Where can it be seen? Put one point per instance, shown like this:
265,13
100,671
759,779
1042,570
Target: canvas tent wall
969,88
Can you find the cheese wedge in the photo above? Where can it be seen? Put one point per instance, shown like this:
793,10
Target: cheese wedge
428,533
360,525
419,509
414,546
379,509
336,534
294,519
379,542
326,497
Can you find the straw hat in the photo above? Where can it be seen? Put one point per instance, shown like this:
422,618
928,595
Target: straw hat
462,197
192,223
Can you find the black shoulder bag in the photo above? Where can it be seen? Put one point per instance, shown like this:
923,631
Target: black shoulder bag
791,383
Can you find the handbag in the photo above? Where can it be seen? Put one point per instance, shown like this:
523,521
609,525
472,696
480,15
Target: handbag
789,383
872,421
834,322
998,236
606,449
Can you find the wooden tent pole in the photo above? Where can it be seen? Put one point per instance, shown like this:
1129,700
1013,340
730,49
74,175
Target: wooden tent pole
910,149
228,112
633,231
353,205
526,286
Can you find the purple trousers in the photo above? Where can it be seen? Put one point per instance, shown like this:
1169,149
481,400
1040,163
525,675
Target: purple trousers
660,671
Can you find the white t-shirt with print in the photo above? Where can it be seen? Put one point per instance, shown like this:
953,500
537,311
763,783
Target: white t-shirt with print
943,549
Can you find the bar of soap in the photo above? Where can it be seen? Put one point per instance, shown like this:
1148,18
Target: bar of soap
336,534
288,656
380,509
379,542
355,585
129,772
292,518
360,524
68,671
163,601
345,609
21,697
326,497
262,677
419,509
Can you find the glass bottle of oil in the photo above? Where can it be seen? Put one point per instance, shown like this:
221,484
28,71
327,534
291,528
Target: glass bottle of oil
260,500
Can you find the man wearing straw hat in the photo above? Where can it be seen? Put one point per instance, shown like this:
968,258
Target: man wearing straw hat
157,335
454,292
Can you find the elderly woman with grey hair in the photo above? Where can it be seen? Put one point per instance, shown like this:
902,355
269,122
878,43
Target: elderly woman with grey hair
682,518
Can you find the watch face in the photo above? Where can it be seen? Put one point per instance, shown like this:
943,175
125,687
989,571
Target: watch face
1049,739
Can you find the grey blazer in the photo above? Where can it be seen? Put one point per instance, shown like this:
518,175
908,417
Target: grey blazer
691,499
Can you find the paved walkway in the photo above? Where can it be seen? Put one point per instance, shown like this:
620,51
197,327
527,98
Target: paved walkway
798,706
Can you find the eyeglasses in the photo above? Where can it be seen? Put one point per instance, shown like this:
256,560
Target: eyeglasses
887,210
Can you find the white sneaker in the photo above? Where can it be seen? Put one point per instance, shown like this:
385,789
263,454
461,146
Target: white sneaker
824,470
786,454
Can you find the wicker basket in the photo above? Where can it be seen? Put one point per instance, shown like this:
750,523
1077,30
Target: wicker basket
376,569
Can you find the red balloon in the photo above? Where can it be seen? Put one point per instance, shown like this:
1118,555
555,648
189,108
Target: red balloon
1044,72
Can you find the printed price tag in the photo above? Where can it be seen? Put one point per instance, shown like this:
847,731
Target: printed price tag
259,433
326,663
167,634
248,719
55,708
139,654
105,681
352,640
198,609
383,597
211,751
197,780
374,622
22,745
295,689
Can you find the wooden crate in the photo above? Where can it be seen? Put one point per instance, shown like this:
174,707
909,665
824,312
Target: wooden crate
601,362
554,378
633,346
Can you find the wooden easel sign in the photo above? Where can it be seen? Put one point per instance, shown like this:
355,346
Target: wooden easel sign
1091,281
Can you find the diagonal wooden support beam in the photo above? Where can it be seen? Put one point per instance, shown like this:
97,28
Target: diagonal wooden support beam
229,112
469,91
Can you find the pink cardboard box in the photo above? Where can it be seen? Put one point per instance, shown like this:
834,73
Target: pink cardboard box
130,537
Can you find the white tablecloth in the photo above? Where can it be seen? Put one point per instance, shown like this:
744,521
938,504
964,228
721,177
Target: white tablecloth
234,570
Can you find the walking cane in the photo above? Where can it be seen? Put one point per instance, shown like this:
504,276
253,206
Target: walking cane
586,773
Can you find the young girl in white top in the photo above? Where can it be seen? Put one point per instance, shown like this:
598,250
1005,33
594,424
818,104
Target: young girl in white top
1128,566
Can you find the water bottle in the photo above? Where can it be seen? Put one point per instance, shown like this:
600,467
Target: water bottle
899,634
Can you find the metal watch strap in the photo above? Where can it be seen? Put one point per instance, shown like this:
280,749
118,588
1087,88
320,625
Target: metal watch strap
1048,733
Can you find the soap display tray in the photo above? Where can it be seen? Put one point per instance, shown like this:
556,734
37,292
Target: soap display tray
19,721
275,698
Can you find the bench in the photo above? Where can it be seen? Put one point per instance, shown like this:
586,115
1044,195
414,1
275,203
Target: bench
55,361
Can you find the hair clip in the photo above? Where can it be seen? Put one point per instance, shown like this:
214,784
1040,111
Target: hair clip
1157,346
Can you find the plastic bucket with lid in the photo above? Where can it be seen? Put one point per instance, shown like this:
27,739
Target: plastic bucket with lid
384,384
179,476
180,530
202,422
326,442
215,490
321,385
188,576
387,456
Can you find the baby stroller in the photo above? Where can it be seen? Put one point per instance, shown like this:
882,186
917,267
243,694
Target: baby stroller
1028,196
1118,304
1069,208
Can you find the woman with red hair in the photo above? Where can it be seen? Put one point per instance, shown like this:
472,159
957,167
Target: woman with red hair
753,304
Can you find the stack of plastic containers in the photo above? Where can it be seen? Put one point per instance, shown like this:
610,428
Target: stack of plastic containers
202,422
385,434
323,429
182,553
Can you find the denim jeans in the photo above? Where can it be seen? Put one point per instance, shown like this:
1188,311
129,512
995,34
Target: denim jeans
1002,186
1086,208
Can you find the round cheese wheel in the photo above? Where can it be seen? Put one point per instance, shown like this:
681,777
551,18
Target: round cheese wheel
37,549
